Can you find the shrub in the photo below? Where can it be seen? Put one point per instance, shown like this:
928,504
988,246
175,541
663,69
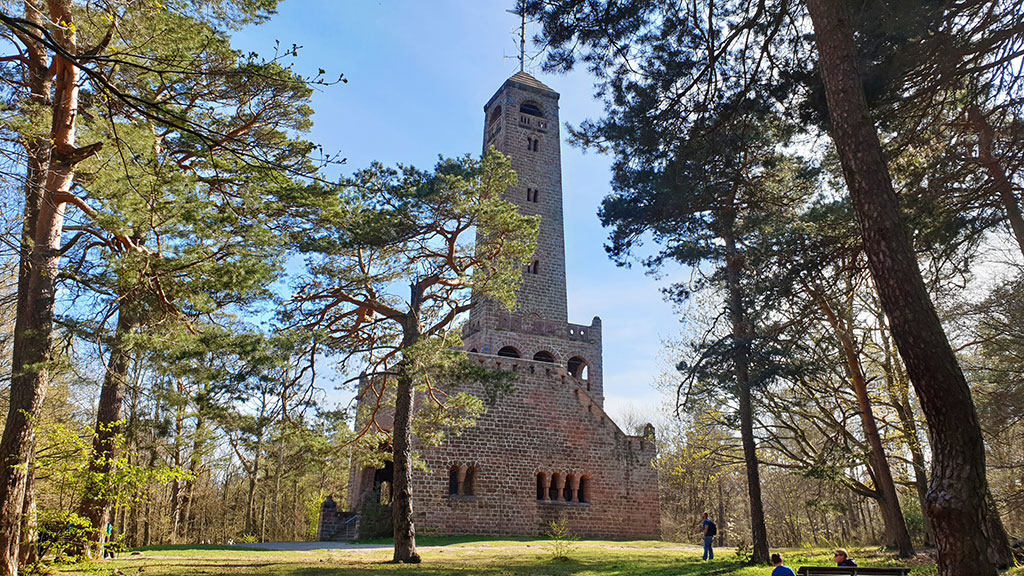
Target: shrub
561,539
62,535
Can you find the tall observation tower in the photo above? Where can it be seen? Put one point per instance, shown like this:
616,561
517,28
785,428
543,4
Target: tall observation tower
545,449
521,121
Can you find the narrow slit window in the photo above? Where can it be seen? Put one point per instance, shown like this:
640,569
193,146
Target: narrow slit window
453,481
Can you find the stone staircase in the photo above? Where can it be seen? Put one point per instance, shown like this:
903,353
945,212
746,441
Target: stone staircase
335,525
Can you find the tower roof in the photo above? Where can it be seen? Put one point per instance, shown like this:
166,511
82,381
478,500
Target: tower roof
527,80
524,81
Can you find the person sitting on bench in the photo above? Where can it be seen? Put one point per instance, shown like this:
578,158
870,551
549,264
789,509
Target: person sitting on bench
780,568
843,558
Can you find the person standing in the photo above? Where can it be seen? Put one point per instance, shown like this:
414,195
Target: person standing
709,530
780,568
108,544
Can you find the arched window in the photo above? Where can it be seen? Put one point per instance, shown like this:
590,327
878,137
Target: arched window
532,108
495,114
570,486
544,356
453,481
583,494
542,486
534,267
509,352
578,368
473,350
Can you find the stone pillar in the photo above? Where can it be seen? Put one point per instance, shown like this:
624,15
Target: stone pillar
462,480
559,486
574,485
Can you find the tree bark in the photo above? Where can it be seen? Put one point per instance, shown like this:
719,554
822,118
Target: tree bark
401,501
892,515
34,323
29,544
98,497
957,497
742,334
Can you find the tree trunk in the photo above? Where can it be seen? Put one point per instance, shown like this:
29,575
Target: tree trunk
195,459
34,322
721,512
278,526
1000,181
892,515
742,334
29,553
898,388
177,485
250,498
263,518
401,501
957,498
98,497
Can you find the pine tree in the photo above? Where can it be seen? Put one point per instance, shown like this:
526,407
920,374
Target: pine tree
405,228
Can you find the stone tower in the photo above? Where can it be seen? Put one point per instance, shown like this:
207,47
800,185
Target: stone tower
545,449
521,121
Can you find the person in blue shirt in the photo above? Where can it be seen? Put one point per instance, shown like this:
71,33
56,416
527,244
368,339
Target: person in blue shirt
780,568
843,558
708,530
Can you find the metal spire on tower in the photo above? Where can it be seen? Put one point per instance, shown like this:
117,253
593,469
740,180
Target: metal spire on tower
521,12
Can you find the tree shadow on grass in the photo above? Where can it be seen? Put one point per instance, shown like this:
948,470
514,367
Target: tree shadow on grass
568,567
186,547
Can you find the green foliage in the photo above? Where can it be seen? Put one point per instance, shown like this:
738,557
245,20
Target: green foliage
913,516
62,534
375,517
393,228
561,539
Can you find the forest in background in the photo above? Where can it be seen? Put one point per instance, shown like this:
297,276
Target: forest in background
162,380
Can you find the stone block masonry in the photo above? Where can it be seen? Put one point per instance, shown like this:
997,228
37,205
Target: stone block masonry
545,450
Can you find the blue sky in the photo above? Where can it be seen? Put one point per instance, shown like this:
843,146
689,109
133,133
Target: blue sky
418,76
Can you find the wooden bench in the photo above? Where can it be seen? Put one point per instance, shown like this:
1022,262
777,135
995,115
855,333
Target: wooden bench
853,571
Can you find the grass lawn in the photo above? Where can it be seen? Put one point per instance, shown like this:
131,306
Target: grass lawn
475,556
